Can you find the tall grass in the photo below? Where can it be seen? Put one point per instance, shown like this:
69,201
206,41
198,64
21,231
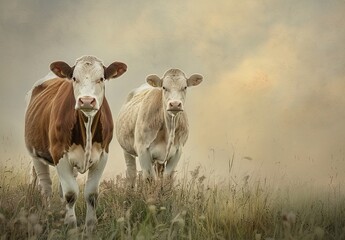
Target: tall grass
196,207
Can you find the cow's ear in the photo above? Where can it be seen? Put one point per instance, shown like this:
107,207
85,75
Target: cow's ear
194,80
62,69
154,80
114,70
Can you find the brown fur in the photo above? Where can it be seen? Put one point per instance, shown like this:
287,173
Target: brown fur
52,124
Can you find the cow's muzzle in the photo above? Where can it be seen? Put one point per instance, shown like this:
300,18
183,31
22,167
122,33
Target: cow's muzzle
86,103
174,107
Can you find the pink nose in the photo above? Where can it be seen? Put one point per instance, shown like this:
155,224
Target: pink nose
87,103
175,106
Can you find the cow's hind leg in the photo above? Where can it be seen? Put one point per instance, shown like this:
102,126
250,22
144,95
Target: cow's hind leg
40,170
131,172
91,191
70,190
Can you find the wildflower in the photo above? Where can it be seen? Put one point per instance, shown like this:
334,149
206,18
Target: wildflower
120,220
33,218
180,222
150,201
38,229
201,179
2,218
128,214
319,233
257,236
152,209
291,218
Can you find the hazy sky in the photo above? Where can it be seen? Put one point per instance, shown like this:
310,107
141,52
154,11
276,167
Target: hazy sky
274,75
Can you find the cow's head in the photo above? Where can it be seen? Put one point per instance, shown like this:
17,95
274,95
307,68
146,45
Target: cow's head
88,76
174,86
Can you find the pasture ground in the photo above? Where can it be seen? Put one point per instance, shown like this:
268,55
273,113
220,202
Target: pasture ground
197,207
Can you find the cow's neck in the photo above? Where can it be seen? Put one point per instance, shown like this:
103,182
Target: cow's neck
87,125
170,121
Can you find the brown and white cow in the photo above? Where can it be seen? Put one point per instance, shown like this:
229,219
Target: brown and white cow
152,125
68,124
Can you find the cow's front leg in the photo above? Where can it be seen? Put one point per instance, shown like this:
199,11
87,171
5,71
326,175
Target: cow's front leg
146,164
70,189
91,191
171,164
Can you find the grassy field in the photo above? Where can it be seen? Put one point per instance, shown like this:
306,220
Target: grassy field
195,208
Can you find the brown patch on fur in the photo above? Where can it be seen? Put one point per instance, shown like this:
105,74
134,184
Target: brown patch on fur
52,124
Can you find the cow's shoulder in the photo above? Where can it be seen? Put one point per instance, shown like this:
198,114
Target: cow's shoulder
151,111
106,124
150,117
47,88
62,120
182,128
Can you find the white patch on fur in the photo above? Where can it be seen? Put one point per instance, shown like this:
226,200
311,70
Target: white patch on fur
88,146
91,187
162,152
87,71
83,160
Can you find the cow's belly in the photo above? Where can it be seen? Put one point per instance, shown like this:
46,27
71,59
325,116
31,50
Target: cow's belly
77,156
159,151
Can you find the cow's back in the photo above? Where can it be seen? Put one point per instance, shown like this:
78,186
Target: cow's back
38,116
127,119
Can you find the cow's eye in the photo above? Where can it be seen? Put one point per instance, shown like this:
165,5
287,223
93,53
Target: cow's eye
185,88
75,80
99,80
164,89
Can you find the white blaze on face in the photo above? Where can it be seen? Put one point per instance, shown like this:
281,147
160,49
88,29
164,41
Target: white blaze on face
174,91
88,84
174,86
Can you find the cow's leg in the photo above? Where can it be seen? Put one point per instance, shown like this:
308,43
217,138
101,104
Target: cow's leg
171,164
44,182
91,191
70,190
159,169
146,164
131,172
75,174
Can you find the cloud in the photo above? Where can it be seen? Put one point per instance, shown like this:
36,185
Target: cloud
274,72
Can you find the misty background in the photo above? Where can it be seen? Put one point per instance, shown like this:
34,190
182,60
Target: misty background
272,98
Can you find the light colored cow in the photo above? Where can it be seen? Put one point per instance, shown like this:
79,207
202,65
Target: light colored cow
68,124
152,125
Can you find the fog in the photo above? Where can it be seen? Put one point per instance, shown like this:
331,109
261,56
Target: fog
274,76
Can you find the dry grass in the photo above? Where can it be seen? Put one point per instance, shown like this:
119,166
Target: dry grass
194,208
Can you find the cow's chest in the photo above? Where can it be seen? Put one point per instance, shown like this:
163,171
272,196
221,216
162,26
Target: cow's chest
83,159
159,151
159,148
